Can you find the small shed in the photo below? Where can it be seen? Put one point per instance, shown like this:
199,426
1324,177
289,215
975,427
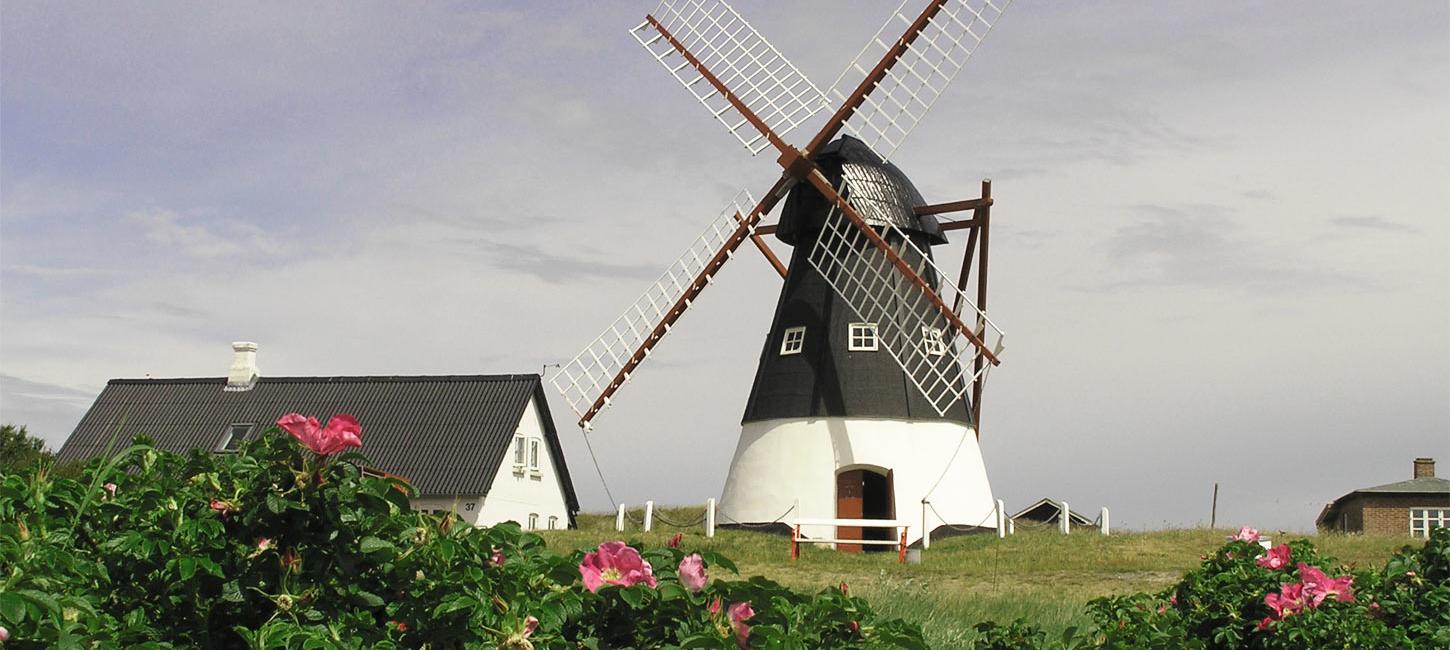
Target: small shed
1049,511
1410,507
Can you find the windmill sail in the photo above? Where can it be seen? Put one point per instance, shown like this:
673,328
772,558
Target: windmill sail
739,58
592,376
917,335
914,82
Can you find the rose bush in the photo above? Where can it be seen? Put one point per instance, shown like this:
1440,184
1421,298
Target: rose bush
283,545
1289,596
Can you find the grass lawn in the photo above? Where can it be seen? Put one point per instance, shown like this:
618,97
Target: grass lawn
1037,573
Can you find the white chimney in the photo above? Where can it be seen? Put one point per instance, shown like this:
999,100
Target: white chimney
243,373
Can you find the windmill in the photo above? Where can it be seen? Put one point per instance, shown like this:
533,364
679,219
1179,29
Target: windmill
868,394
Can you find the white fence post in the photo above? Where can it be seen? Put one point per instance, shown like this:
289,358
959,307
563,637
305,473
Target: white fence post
619,519
1103,524
1011,526
1064,519
649,515
1001,519
710,517
925,529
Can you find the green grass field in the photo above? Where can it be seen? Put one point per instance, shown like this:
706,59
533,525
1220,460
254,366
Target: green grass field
1037,573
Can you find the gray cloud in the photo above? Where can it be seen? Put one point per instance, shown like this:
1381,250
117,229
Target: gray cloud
49,411
1201,246
1373,223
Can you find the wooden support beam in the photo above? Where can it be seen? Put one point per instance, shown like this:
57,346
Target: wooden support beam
954,206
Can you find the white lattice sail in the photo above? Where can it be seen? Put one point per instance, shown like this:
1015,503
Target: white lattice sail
898,102
909,326
764,80
587,375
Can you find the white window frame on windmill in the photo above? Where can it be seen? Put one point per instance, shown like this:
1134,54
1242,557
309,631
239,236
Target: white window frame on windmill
934,341
793,340
237,432
862,337
521,453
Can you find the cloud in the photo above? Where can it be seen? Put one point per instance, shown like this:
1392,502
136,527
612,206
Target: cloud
180,234
1372,223
49,411
553,267
1199,245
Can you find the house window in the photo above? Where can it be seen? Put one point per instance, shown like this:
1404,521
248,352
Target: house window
793,340
1422,520
236,434
519,451
534,454
553,522
861,337
932,339
533,520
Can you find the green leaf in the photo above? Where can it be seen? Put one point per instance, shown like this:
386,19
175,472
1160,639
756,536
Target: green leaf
633,596
372,544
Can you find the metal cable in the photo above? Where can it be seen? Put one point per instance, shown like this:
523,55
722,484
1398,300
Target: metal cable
958,527
772,522
661,518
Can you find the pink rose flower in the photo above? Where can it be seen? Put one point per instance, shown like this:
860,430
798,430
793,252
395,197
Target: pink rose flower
341,432
530,624
692,572
263,544
4,634
1265,623
110,489
1277,558
739,613
714,607
1245,534
854,627
615,563
497,558
1289,600
222,507
1318,586
675,541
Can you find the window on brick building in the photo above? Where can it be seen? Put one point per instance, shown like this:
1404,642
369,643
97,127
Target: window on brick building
1422,520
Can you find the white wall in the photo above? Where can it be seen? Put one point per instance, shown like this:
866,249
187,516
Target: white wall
780,462
466,507
516,494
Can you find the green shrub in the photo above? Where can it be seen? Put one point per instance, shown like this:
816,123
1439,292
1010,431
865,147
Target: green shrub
1239,598
275,547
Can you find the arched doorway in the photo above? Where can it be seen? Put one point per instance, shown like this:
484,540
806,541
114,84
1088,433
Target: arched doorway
864,493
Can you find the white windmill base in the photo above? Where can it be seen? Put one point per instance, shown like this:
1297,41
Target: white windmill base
794,462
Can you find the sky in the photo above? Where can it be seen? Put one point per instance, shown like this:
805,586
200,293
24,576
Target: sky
1221,237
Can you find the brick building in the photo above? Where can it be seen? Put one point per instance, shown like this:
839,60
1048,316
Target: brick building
1410,507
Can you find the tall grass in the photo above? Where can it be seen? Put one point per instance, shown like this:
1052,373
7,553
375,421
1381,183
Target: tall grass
1037,574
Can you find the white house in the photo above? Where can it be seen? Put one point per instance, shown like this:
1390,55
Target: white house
483,446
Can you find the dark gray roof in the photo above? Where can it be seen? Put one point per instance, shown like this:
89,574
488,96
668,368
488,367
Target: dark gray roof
447,435
1049,510
1426,485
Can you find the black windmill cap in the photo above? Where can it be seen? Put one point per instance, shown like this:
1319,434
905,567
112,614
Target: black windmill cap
805,207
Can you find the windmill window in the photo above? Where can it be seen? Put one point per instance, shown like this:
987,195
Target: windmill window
519,451
236,434
534,454
553,523
1422,520
861,337
533,520
932,339
793,340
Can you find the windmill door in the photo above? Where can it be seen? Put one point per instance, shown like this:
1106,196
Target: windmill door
863,494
